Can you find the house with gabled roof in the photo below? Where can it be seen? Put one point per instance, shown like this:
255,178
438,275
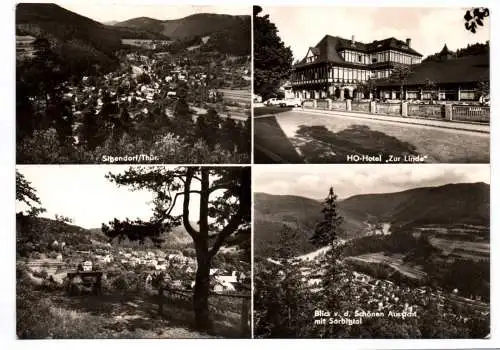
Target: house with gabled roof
446,77
336,66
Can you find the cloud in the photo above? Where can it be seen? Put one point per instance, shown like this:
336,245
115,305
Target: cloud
84,194
99,11
313,181
302,27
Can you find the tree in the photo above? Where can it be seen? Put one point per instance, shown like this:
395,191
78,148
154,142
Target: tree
281,297
483,87
430,85
183,119
327,230
400,74
367,87
272,59
220,217
288,244
208,127
92,132
475,17
25,193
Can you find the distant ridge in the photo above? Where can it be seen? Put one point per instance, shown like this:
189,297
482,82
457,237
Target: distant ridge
462,203
193,25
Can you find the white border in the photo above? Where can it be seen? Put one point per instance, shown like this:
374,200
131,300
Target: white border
7,248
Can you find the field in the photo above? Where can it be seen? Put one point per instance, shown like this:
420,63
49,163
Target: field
145,42
394,261
238,96
465,249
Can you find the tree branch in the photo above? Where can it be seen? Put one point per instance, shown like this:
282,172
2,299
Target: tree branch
227,231
173,203
222,186
185,208
204,203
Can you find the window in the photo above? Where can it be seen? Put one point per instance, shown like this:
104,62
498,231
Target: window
467,95
359,58
374,60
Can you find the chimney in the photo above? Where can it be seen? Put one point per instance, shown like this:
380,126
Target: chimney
352,40
408,42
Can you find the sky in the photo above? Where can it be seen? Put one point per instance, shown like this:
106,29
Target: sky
428,28
82,193
313,181
106,11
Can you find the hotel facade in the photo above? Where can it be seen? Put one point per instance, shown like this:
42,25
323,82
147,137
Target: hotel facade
336,67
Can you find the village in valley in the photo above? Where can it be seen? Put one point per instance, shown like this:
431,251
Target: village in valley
150,263
131,279
176,100
371,265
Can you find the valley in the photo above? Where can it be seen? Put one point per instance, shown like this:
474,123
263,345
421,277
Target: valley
385,260
112,91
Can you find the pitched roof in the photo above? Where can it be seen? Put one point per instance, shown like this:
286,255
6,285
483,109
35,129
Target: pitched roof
467,69
328,48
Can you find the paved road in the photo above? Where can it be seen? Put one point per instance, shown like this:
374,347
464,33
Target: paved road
439,144
479,127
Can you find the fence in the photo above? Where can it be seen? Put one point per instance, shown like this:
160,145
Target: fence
450,112
322,104
389,108
361,106
308,104
222,303
426,111
339,105
471,113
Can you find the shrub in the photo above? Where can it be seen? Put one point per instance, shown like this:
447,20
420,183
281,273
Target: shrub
120,283
35,255
189,252
50,321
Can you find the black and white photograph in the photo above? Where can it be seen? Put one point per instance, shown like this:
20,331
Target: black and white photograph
127,252
371,84
132,83
371,251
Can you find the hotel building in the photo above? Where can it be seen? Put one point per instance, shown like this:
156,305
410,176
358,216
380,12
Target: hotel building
335,66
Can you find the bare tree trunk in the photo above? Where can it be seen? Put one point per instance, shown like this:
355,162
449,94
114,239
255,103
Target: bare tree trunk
202,283
245,329
200,296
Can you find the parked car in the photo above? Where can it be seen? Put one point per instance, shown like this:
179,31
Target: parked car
290,102
273,101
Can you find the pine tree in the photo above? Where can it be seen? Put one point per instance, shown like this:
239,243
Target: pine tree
25,193
272,59
287,247
328,229
281,297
